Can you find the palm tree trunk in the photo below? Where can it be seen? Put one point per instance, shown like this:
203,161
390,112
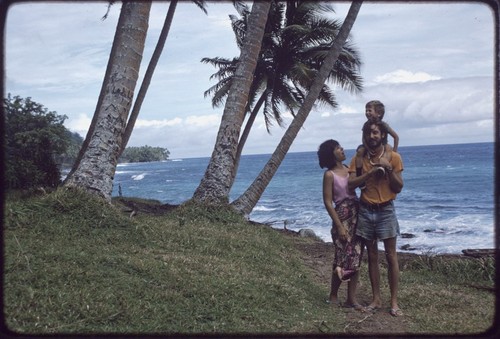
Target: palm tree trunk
216,183
149,74
93,123
246,132
247,201
95,171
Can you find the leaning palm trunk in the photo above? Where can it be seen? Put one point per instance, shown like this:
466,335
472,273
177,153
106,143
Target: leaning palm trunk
247,201
246,132
149,74
219,175
96,168
95,117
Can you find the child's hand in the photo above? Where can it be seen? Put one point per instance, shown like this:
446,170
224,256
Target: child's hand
385,163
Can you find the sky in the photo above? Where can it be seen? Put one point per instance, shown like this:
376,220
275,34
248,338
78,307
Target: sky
431,64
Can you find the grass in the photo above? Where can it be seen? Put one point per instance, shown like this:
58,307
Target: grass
75,264
450,295
441,299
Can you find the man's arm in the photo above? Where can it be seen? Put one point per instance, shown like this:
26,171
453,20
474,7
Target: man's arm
394,170
395,181
354,180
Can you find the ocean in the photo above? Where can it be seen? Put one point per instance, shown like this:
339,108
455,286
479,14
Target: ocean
447,203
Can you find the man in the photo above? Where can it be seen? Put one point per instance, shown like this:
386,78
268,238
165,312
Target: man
377,218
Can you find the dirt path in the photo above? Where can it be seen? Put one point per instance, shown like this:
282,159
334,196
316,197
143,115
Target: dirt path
318,256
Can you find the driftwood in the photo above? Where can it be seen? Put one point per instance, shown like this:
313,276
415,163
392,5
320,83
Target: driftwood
479,253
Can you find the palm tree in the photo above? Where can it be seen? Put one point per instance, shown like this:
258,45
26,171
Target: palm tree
217,181
95,169
247,201
296,40
151,68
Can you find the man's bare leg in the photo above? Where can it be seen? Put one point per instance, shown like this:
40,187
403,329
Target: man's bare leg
392,272
374,273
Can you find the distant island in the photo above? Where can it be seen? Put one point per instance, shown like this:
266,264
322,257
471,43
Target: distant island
144,154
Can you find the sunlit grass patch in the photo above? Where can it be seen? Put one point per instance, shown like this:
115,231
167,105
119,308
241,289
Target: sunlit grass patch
75,264
445,295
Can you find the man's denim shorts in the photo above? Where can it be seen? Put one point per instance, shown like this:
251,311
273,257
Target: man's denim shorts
377,223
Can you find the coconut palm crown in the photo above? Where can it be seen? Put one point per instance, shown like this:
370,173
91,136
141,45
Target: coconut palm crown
297,38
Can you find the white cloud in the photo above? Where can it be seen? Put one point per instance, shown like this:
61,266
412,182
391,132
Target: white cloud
80,124
142,123
434,71
403,76
433,112
344,109
212,120
191,136
39,55
442,102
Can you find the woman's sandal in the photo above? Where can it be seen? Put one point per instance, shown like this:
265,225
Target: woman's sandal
357,307
336,303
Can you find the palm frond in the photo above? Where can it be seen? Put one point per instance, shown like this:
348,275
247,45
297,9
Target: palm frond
297,38
219,92
241,7
105,16
202,4
327,97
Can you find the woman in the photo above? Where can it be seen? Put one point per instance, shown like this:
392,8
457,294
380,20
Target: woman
342,206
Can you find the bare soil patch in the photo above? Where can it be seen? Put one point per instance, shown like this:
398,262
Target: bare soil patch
318,257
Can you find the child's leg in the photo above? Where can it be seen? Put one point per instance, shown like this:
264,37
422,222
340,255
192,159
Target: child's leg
360,153
339,272
388,152
334,288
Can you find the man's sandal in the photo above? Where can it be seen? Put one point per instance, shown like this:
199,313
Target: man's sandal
371,309
396,312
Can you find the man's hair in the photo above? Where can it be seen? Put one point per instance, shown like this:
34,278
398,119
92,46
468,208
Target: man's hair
367,127
378,106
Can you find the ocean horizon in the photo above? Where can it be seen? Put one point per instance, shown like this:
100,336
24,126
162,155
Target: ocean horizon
346,149
447,203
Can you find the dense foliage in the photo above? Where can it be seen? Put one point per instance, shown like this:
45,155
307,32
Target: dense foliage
67,159
34,138
144,154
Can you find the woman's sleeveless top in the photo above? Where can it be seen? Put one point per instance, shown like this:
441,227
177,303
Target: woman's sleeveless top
341,189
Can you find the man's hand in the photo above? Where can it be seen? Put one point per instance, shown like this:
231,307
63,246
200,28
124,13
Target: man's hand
386,164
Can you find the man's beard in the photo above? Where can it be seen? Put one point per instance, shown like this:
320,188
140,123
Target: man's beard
373,144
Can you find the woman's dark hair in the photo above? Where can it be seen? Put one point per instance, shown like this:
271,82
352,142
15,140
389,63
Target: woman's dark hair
325,154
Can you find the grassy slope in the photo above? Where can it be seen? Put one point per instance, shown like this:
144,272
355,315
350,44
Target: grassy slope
72,264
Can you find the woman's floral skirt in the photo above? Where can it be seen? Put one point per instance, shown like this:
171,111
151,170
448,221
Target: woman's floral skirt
347,254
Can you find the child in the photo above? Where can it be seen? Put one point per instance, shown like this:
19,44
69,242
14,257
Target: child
374,111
